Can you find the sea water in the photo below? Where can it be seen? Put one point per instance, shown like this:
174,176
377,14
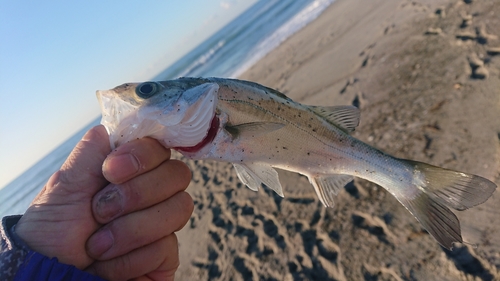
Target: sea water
227,53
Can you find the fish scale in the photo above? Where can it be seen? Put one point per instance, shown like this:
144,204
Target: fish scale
258,129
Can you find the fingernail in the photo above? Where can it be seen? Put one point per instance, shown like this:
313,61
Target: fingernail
100,242
117,168
109,204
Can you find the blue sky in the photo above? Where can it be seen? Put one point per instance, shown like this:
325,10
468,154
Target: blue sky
54,55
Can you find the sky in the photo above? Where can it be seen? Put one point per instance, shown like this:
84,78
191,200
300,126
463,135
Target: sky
54,55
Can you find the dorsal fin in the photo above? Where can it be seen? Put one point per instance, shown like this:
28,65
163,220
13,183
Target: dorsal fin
345,117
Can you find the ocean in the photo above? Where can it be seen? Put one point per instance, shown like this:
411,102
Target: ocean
227,53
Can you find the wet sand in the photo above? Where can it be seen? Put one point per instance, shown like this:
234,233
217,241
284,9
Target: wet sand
426,76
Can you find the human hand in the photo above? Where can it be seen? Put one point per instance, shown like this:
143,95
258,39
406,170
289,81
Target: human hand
119,225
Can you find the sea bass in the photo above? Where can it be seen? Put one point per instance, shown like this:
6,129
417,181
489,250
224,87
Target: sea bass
258,129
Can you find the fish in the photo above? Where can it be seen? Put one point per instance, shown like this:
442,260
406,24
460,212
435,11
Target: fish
258,129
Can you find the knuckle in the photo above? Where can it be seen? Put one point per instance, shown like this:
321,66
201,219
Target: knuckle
171,260
185,203
181,172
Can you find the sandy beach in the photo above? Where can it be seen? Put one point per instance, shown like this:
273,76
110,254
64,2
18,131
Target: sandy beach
426,77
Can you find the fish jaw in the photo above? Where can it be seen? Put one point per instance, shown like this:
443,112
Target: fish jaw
184,123
118,117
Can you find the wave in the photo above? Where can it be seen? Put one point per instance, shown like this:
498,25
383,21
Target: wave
301,19
203,59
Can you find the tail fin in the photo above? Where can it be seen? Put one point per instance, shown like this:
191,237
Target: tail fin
439,189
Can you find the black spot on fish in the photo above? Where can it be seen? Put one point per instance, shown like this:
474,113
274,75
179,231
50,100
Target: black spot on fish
285,148
309,153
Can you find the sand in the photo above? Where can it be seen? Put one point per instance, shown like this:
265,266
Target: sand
426,76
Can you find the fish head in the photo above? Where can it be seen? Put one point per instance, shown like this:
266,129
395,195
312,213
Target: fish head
178,112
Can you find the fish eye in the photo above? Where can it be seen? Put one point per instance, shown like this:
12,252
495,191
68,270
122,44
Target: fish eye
146,90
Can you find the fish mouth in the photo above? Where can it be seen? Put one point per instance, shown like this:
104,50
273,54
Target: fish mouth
117,116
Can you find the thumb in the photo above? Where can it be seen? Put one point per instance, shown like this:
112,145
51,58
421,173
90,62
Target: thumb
59,220
82,171
84,164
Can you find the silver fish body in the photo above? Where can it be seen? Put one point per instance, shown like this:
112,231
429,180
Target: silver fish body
258,129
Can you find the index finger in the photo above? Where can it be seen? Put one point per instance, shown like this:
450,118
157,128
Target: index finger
134,158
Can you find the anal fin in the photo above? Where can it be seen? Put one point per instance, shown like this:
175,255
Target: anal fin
253,175
328,186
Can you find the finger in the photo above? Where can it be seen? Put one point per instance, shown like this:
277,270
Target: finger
141,192
59,221
137,229
156,261
134,158
81,172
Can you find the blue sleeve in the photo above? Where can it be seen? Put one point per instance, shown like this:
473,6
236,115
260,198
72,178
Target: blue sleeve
19,262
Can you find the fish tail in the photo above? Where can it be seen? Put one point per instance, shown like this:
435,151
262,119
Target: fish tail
439,189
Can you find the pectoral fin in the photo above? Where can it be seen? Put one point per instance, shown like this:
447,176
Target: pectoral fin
345,117
328,186
253,129
255,174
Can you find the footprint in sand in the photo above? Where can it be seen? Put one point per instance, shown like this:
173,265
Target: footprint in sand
479,71
348,84
374,226
440,12
493,51
366,60
466,20
466,35
359,100
433,31
483,37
